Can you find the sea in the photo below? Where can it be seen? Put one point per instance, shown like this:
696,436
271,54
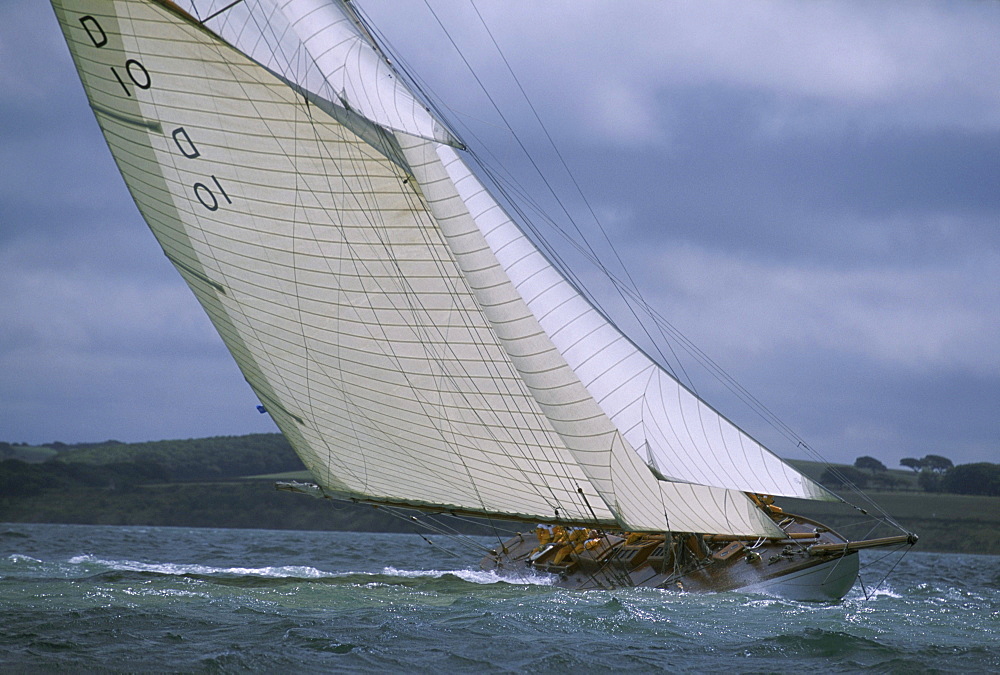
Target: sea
79,598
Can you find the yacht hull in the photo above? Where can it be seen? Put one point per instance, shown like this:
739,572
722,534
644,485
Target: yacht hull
827,581
583,559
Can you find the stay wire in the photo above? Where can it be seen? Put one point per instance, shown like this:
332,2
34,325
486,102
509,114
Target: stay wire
572,177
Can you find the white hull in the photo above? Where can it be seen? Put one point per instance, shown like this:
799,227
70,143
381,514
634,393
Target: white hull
826,582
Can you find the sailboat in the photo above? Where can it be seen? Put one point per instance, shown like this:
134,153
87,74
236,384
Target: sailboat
412,343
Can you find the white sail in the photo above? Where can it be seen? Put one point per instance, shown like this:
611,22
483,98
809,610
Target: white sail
317,259
411,343
609,460
316,262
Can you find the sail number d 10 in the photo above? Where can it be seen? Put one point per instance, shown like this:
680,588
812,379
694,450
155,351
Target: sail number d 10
136,75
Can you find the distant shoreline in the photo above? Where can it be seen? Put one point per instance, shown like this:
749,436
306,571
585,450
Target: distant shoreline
205,483
945,523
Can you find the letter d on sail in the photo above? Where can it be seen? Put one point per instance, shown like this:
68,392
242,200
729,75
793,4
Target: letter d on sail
185,144
94,31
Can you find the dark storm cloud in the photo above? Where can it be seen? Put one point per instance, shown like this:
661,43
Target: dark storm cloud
727,184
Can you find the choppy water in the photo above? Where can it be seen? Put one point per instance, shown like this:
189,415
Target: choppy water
173,599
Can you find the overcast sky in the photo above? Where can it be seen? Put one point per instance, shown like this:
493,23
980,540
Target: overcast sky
809,191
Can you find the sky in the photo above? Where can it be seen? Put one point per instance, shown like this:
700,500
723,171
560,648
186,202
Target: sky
810,192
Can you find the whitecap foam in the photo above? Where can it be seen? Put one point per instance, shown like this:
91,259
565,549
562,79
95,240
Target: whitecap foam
474,576
304,572
178,569
884,591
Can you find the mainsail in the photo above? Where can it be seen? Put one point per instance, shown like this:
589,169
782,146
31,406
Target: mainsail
411,343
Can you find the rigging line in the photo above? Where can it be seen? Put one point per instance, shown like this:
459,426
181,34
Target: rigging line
586,501
476,521
434,527
593,257
440,548
859,493
415,522
572,178
891,570
496,534
438,527
888,554
496,107
559,261
224,9
489,518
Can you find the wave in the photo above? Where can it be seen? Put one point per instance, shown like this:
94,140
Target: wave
113,570
483,577
182,569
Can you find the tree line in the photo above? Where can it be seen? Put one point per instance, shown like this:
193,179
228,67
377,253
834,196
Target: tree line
934,473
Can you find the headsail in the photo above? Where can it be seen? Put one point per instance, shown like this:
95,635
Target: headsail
605,455
684,437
